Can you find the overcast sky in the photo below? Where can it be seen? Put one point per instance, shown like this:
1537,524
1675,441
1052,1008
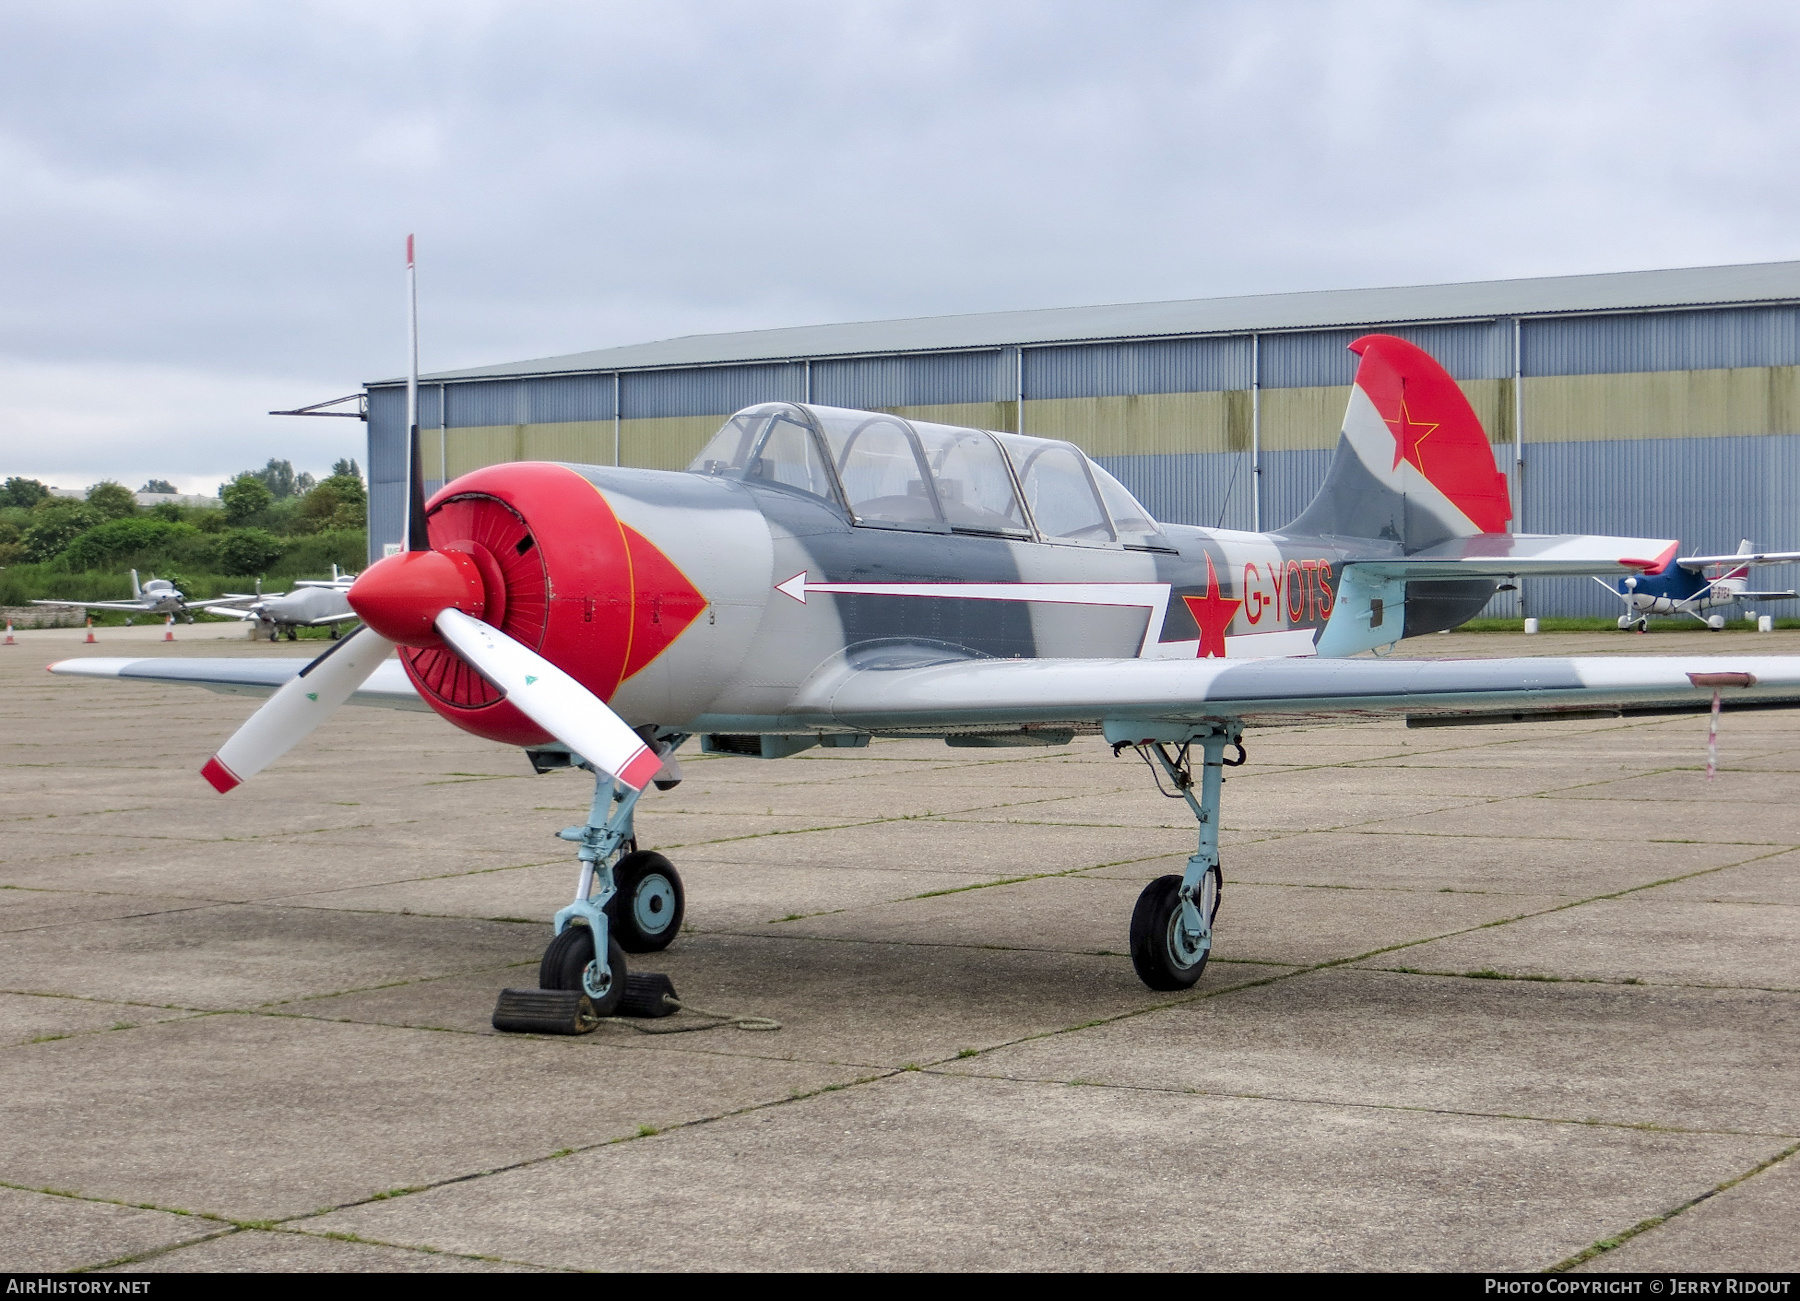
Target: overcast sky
204,205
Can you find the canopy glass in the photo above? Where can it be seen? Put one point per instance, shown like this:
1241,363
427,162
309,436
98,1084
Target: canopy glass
890,472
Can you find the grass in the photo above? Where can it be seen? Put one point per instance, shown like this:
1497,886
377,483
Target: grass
1659,624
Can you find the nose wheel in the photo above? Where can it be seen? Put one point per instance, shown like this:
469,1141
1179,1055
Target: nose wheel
569,964
646,912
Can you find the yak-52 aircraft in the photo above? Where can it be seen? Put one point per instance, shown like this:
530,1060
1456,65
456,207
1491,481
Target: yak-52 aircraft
1686,587
821,576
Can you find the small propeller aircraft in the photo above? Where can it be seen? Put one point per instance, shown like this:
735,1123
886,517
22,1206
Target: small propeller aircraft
821,576
313,603
1694,585
157,596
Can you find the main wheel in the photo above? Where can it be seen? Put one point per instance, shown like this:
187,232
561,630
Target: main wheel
646,912
569,964
1165,954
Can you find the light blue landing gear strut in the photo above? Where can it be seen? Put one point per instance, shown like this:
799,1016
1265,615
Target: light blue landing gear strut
604,839
1171,927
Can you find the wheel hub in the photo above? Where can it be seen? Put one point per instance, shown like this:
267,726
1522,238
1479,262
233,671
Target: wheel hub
653,905
596,980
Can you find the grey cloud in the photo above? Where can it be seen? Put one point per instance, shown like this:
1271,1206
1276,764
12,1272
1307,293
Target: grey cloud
222,190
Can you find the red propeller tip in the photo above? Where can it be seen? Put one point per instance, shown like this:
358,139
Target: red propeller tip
221,777
641,769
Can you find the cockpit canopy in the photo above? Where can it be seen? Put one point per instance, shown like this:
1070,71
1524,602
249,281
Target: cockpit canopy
890,472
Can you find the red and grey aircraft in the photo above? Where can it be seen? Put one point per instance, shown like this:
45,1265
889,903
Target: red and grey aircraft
822,576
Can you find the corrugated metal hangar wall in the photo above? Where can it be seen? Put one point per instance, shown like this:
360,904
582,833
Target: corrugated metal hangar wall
1659,404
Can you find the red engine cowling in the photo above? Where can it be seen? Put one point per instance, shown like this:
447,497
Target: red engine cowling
562,574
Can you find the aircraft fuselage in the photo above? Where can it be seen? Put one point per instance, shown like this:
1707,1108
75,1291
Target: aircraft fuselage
701,603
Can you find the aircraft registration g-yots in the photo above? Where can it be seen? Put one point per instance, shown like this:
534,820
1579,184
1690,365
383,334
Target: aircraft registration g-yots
1685,587
821,576
158,596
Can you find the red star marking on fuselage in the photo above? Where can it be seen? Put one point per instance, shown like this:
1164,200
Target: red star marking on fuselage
1213,613
1408,434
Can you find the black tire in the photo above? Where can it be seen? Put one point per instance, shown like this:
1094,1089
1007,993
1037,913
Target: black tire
567,959
1155,951
646,913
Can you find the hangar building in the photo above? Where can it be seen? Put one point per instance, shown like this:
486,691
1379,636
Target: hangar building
1643,403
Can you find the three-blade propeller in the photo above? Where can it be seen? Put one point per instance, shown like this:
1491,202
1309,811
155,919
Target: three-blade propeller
428,597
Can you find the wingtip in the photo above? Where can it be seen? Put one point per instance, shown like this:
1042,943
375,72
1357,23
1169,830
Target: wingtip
221,777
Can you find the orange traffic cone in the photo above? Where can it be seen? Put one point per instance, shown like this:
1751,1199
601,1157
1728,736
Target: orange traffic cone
9,637
169,630
90,628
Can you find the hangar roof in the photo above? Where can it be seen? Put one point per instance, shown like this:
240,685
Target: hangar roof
1471,300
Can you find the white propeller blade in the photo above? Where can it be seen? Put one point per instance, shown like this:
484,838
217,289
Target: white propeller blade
296,709
552,699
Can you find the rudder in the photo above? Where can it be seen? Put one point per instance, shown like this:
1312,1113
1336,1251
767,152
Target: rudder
1413,465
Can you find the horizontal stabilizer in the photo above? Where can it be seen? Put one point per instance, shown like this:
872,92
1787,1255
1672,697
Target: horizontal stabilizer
1753,558
1511,555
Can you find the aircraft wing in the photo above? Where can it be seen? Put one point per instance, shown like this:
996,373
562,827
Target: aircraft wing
387,687
1509,555
1754,558
1003,693
136,607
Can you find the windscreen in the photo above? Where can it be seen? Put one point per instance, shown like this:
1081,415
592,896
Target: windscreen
772,444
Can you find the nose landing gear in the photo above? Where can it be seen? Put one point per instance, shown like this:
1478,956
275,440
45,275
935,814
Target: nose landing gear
626,900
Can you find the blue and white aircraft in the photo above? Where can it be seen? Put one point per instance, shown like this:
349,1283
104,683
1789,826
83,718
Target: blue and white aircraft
1699,586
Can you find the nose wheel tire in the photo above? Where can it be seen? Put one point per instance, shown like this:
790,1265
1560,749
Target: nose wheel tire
646,912
1165,951
569,964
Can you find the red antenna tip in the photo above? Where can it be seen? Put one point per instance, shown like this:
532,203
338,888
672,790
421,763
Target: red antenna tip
409,250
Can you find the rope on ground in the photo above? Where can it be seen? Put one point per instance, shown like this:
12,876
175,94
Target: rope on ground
717,1021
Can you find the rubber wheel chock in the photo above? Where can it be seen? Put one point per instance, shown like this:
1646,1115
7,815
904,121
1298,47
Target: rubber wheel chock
544,1011
645,995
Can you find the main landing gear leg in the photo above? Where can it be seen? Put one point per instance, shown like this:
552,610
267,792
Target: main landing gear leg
1171,927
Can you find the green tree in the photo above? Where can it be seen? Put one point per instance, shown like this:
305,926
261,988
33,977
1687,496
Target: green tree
339,502
281,481
112,499
246,551
158,485
56,522
110,543
346,469
22,492
246,499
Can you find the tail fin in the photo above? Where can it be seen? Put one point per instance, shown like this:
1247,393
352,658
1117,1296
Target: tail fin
1412,464
136,591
